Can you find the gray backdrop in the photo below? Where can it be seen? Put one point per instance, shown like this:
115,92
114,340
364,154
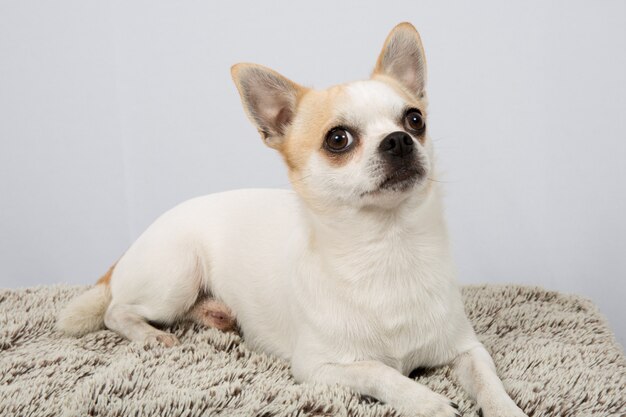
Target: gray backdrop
113,111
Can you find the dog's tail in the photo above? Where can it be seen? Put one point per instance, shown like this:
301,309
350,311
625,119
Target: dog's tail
85,313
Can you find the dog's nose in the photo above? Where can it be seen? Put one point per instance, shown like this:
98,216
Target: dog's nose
397,144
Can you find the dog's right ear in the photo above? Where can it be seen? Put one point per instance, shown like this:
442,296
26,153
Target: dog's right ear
269,99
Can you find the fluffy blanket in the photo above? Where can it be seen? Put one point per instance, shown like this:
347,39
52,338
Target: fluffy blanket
555,354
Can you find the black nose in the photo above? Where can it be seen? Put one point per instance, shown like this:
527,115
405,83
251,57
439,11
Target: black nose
397,144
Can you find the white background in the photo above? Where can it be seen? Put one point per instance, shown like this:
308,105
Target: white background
112,112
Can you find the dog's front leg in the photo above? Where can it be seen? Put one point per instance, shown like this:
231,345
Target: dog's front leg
385,384
476,373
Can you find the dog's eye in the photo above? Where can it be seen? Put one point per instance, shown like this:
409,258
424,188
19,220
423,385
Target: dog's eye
414,121
338,140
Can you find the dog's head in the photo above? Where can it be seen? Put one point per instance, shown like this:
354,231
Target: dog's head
360,144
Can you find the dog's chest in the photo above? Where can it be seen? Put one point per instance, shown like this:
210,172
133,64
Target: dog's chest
398,323
396,310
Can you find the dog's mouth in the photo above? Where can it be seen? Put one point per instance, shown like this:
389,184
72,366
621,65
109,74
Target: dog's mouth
400,179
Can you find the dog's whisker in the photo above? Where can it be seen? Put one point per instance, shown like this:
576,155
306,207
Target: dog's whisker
439,181
302,178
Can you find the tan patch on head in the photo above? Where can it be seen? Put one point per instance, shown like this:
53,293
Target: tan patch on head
315,118
106,278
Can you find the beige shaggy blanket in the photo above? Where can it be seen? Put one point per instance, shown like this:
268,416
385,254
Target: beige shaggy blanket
555,354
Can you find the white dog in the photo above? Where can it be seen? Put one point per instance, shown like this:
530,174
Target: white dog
349,276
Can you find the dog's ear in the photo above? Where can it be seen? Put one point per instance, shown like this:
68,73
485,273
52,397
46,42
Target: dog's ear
269,99
403,59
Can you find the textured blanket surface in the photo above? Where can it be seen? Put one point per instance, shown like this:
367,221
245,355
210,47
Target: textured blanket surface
555,354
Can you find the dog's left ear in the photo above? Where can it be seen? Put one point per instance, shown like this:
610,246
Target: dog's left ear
403,59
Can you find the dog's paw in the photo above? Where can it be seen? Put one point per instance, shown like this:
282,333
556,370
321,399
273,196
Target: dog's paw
163,338
429,404
503,409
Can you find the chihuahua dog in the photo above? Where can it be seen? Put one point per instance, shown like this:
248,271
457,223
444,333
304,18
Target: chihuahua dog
349,277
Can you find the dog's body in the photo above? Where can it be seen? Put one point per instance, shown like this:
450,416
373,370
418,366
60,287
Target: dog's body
275,283
350,276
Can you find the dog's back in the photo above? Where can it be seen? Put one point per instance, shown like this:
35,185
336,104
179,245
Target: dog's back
229,245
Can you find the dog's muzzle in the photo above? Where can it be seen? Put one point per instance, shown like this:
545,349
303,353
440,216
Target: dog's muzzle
402,164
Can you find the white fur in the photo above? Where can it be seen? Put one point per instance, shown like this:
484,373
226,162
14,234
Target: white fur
357,289
85,313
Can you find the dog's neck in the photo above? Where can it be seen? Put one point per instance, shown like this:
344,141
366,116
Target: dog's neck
347,236
347,223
